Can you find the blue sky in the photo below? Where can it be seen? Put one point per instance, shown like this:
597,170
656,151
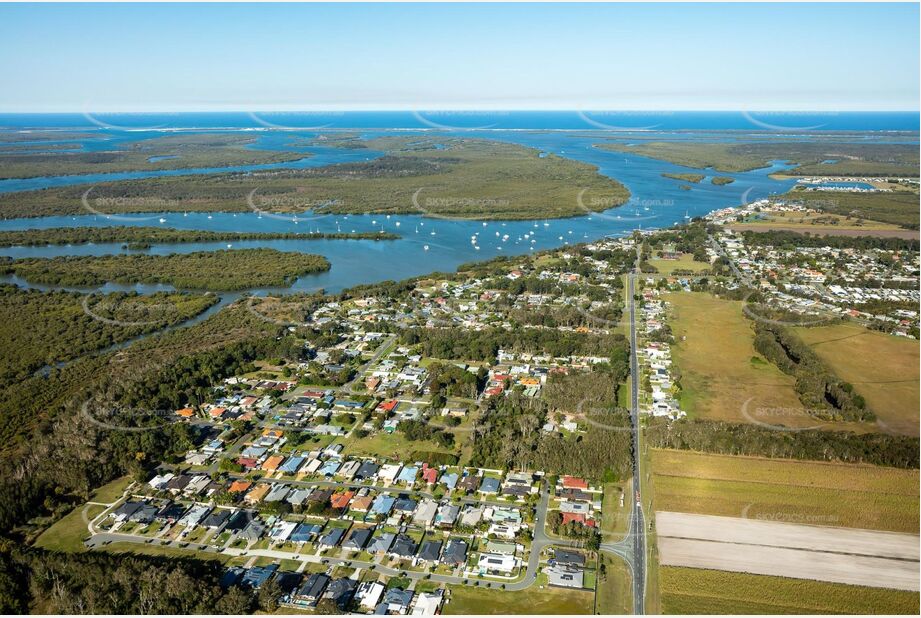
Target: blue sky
170,57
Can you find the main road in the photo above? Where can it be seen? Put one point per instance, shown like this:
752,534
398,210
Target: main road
638,524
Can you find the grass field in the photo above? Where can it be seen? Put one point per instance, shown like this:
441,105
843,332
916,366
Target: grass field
112,491
614,517
394,446
827,494
882,368
685,262
828,224
701,591
533,600
714,354
898,208
67,533
614,591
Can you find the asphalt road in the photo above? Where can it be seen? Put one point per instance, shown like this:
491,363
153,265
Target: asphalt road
638,522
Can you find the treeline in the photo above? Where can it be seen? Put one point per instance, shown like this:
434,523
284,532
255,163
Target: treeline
69,433
788,240
38,581
484,345
40,329
823,394
235,269
812,444
136,236
509,434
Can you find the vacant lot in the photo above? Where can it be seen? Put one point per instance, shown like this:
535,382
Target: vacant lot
685,262
67,533
882,368
614,590
701,591
823,224
719,367
533,600
848,495
840,555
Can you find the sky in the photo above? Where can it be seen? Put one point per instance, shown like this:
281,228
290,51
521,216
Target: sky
258,57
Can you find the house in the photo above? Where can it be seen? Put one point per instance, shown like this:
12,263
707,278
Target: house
194,516
425,513
447,515
330,468
298,495
361,504
159,481
428,603
408,475
239,520
572,482
278,493
256,576
489,486
282,530
396,601
311,590
496,563
288,582
430,551
291,465
429,475
503,531
449,480
312,466
565,577
332,538
216,519
272,463
567,558
369,594
257,493
144,515
503,515
304,533
341,500
403,546
367,470
472,515
358,538
388,472
469,483
498,547
239,486
404,504
320,495
254,531
178,483
349,469
578,518
171,513
381,542
383,504
340,591
455,552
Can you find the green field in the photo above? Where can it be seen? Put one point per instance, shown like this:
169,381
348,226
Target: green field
822,223
828,494
882,368
614,593
684,262
700,591
232,269
112,491
473,178
392,446
714,353
897,208
67,533
533,600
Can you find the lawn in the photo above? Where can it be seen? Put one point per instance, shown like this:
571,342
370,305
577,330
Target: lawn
67,533
394,446
614,517
830,494
533,600
882,368
685,262
701,591
714,354
614,593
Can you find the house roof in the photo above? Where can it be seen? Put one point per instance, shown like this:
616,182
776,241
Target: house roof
430,551
455,552
404,546
489,485
358,538
381,542
341,500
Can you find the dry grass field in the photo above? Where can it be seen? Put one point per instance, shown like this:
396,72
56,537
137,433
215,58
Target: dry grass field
720,369
702,591
882,368
828,494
